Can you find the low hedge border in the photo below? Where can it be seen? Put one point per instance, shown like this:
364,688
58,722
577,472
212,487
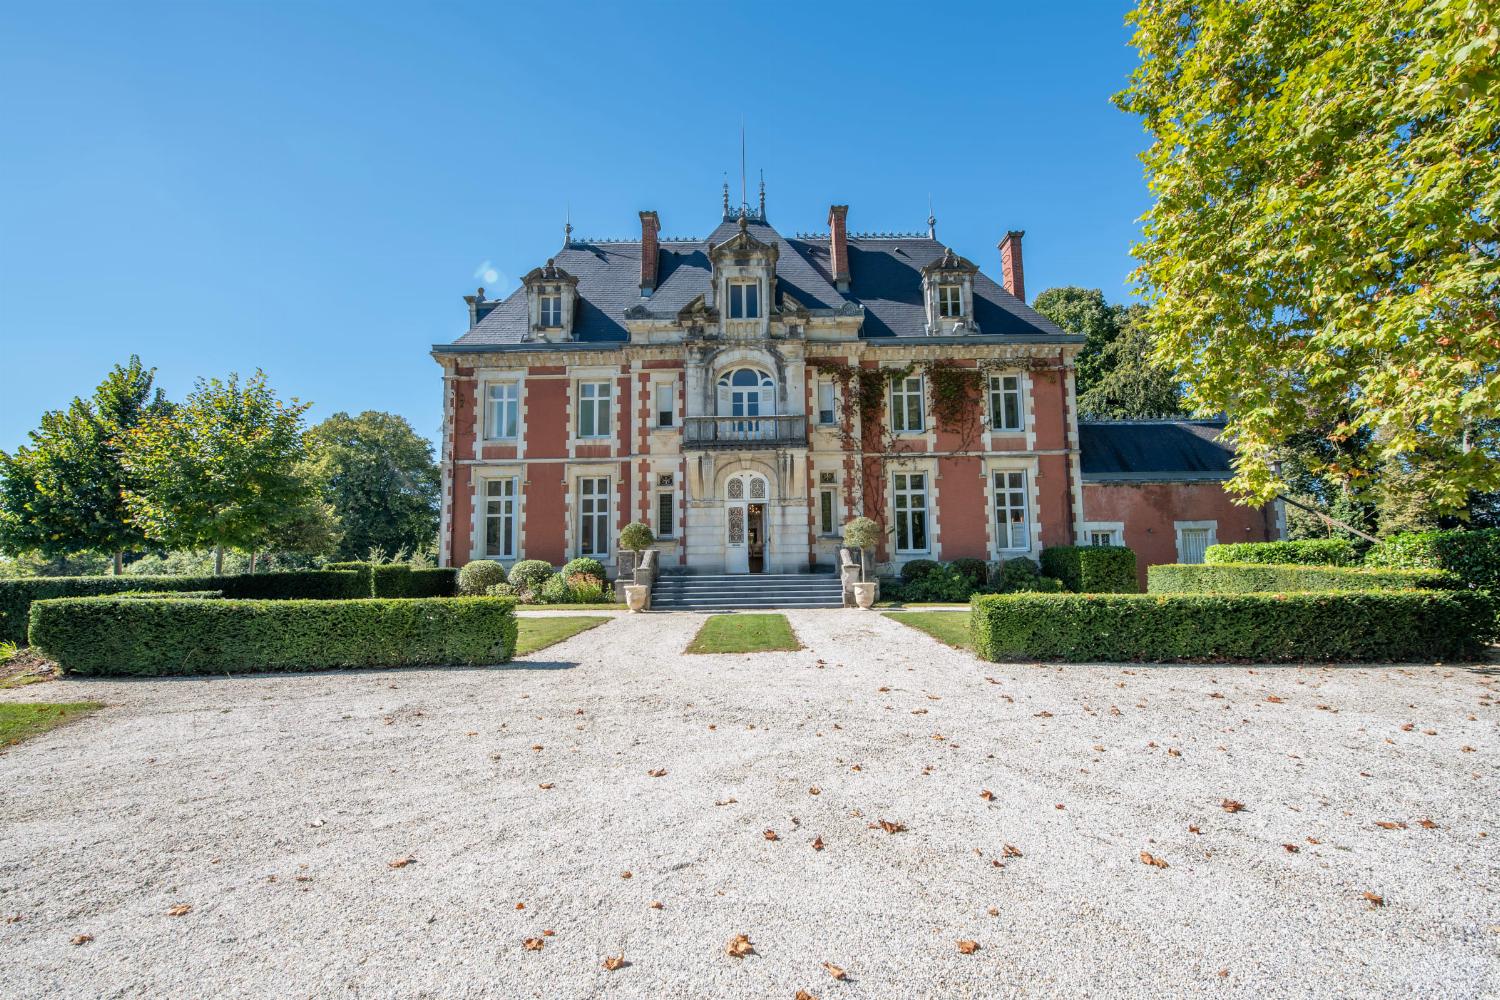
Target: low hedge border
1363,626
1092,569
17,596
1254,578
1308,552
108,637
1473,556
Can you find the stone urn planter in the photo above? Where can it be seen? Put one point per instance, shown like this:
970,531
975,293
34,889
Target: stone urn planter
637,596
864,594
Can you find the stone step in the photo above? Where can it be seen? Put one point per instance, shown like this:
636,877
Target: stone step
746,591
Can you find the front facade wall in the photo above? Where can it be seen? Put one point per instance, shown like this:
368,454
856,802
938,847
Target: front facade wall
1151,518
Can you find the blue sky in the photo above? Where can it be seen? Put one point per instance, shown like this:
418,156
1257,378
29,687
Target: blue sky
310,189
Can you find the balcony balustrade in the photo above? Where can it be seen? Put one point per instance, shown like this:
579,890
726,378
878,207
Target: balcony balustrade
745,432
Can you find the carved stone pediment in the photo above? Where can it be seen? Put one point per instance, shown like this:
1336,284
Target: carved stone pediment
698,310
548,273
792,309
637,312
950,262
742,244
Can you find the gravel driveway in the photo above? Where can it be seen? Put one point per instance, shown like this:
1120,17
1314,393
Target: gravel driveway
275,806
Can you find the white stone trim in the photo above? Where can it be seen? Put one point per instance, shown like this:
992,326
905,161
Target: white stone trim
1179,526
479,478
1013,463
1116,527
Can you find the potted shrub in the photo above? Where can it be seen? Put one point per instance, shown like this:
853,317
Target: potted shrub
634,538
863,534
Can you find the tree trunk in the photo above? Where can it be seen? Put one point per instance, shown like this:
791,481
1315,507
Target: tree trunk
119,562
218,560
253,554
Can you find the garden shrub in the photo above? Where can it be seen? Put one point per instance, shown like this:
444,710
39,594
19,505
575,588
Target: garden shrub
362,568
1472,556
918,568
1013,574
555,590
635,536
433,582
16,596
1249,578
586,566
586,589
390,580
1311,551
106,637
1378,625
478,576
528,575
941,583
1038,585
500,590
976,571
157,595
1092,569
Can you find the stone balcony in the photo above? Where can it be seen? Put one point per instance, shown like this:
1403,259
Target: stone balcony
745,432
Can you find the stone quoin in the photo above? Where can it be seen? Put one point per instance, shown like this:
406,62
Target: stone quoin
746,394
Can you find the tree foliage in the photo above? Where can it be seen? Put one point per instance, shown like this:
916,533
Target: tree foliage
381,480
220,471
64,492
1117,376
1327,185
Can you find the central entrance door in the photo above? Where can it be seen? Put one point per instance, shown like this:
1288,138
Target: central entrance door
745,496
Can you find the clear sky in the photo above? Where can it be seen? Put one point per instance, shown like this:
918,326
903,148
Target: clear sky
309,189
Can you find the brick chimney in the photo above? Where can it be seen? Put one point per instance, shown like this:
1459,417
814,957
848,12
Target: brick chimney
838,245
1012,275
650,226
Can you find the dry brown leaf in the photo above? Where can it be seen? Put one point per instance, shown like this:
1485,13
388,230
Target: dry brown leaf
1011,851
545,786
726,802
1291,848
1386,824
180,910
987,795
1150,859
549,933
659,772
1273,699
968,947
1314,841
1231,806
1374,899
1173,752
1043,714
1216,695
83,939
403,862
888,826
739,946
919,711
14,918
835,971
536,746
656,904
817,843
1059,806
993,911
520,906
1427,824
1192,828
625,875
815,790
770,835
533,944
1408,727
804,995
884,690
613,962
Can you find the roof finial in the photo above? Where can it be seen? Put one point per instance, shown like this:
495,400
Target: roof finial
744,197
726,194
568,228
931,219
762,195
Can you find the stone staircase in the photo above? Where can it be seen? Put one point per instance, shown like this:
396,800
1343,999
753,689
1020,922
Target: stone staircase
746,592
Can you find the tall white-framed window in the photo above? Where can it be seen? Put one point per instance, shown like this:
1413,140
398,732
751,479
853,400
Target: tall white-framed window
906,405
1012,512
1194,538
502,410
666,514
551,309
1006,412
910,504
500,517
593,516
593,409
665,404
826,409
744,300
950,302
827,511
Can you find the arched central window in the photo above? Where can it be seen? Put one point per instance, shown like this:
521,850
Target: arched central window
746,395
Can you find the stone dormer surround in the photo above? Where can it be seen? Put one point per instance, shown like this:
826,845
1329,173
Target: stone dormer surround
743,258
546,281
952,270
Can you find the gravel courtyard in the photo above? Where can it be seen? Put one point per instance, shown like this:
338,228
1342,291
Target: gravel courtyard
525,799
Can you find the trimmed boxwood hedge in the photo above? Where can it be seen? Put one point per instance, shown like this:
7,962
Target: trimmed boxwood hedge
1092,569
1308,552
16,596
1373,625
105,636
1472,556
1252,578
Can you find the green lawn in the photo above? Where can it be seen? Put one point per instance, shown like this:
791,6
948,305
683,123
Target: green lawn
950,627
19,721
539,633
570,607
742,633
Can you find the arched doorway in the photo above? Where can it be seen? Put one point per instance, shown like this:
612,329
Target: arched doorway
745,498
745,395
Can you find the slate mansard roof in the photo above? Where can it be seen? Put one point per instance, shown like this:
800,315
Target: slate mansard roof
1154,451
885,279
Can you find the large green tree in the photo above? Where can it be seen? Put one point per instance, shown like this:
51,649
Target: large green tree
1324,235
64,492
222,470
381,479
1117,375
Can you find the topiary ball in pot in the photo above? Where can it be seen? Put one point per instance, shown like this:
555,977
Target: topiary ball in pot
479,576
861,533
528,575
636,536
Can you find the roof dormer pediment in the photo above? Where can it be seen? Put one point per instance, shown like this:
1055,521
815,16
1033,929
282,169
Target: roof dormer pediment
742,244
548,273
950,263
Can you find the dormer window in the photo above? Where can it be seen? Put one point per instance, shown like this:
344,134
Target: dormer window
551,308
950,301
744,300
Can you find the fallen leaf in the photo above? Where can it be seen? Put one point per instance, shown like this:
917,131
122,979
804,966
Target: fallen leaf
532,944
987,795
1291,848
1059,806
625,875
1273,699
403,862
656,904
1314,841
835,971
919,711
740,946
770,835
660,772
817,843
536,746
1011,851
726,802
1194,829
1231,806
1408,727
815,790
545,786
968,947
1386,824
1152,860
613,962
1427,824
180,910
993,911
1374,899
889,827
1173,752
83,939
14,918
520,906
1043,714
